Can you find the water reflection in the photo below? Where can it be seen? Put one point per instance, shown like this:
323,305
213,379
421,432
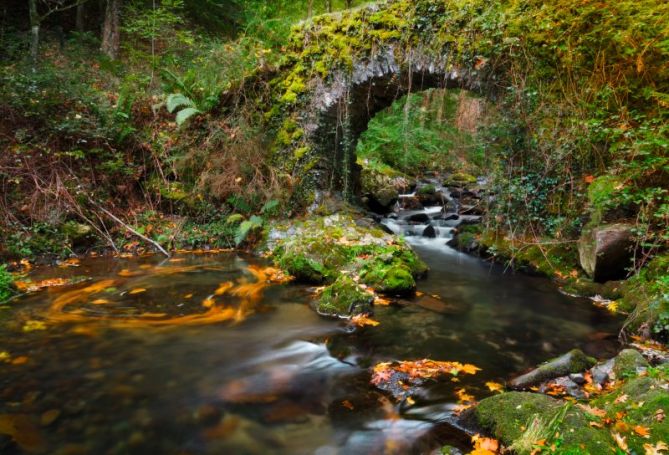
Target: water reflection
102,377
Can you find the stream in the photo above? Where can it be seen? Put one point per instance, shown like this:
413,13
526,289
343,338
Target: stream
146,356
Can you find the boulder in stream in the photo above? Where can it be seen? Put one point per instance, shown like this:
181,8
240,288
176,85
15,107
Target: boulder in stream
629,362
430,232
344,298
575,361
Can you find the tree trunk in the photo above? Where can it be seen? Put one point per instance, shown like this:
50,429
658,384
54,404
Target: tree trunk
34,31
328,5
111,34
310,9
349,3
80,18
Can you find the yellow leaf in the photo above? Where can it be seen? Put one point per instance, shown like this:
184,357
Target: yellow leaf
469,368
484,446
494,386
137,291
100,302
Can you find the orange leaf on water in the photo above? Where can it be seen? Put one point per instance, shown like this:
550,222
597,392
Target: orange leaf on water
362,320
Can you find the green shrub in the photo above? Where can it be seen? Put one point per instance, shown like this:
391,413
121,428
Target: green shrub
6,284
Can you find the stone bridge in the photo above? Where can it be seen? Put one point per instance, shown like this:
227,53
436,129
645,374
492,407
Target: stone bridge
339,70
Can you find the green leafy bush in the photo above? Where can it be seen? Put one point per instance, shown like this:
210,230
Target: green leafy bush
6,284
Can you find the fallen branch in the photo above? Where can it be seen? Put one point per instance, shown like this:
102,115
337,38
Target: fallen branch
130,229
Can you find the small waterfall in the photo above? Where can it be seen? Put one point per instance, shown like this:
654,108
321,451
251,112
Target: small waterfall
429,218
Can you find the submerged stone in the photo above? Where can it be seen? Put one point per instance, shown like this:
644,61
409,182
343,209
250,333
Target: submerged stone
575,361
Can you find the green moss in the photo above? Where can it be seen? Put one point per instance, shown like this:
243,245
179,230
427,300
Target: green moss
304,270
235,219
389,279
629,362
509,415
344,298
427,190
460,179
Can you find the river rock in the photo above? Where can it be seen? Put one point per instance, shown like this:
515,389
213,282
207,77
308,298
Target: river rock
437,305
382,200
602,371
410,203
575,361
605,251
430,232
628,362
418,218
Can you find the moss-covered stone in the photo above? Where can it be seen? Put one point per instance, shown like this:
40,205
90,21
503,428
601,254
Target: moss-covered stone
575,361
459,179
344,298
390,279
304,270
509,415
629,362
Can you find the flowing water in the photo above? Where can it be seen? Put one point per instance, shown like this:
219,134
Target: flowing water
199,355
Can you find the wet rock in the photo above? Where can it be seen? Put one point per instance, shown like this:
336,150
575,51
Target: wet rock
605,251
382,200
410,203
418,218
602,371
506,416
449,450
430,232
578,378
629,362
569,386
575,361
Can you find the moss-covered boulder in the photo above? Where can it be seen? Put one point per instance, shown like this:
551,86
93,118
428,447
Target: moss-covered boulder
319,249
304,269
459,179
520,419
575,361
390,279
344,298
629,362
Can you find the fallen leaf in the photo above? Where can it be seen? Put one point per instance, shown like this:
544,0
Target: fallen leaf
594,411
31,326
100,302
348,405
620,440
20,360
642,431
494,386
137,291
621,399
656,449
484,446
362,320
